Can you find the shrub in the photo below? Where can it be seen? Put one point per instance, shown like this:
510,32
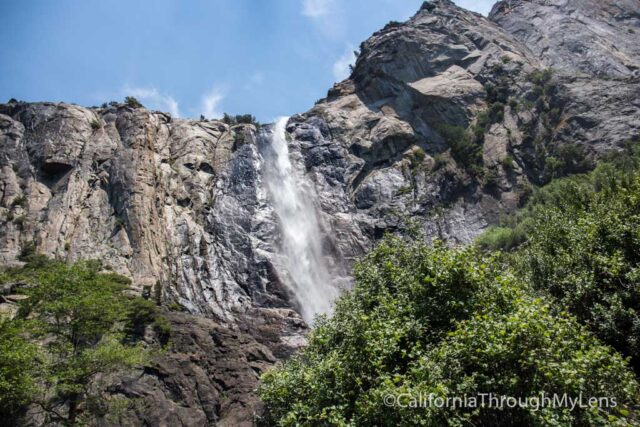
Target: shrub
417,156
464,149
585,253
507,163
20,201
540,77
142,313
496,112
490,179
96,124
405,190
580,248
157,292
120,223
27,251
500,238
239,119
439,161
133,102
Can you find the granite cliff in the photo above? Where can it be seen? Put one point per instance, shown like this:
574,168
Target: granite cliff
446,123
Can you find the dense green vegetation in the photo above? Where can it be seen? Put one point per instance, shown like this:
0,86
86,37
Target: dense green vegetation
545,303
443,322
76,326
578,240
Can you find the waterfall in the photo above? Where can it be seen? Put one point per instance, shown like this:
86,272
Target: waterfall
293,197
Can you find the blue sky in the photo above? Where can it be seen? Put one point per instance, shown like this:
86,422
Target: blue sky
265,57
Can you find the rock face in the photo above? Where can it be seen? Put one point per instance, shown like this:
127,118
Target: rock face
594,48
445,124
208,376
591,37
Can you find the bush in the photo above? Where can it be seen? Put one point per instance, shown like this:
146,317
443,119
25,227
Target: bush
585,253
416,157
500,238
27,251
142,313
580,247
239,119
540,77
444,322
20,201
496,112
405,190
507,163
133,102
464,149
96,124
490,179
119,222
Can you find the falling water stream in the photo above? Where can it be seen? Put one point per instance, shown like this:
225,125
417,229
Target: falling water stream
293,201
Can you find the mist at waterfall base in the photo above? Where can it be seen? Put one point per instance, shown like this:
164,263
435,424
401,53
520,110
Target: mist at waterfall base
292,195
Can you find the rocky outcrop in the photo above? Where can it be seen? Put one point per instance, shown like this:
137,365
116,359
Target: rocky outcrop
589,37
445,124
594,49
208,376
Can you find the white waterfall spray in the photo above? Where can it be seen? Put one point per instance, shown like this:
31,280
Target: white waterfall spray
292,197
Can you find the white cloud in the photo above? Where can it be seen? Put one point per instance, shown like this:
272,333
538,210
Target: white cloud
211,104
327,16
341,67
316,8
153,99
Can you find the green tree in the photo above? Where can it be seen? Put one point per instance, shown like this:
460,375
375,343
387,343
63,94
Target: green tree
18,366
585,253
78,313
448,323
577,242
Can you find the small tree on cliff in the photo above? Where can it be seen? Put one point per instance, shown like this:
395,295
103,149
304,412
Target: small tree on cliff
79,314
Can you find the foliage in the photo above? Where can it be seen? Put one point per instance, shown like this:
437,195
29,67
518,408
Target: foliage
133,102
405,190
239,119
585,252
444,322
505,238
20,201
78,314
417,156
615,171
96,124
577,241
464,148
17,367
142,313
